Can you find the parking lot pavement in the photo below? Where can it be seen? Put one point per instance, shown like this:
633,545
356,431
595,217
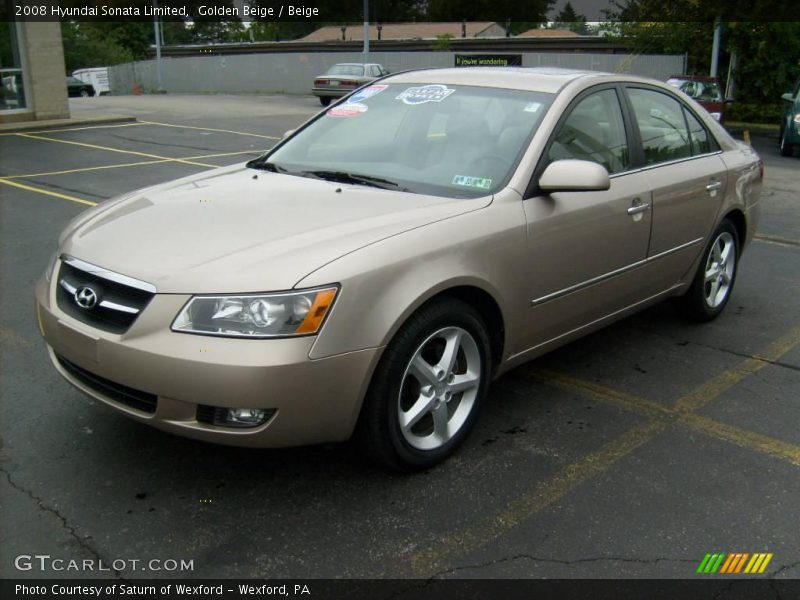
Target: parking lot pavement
630,453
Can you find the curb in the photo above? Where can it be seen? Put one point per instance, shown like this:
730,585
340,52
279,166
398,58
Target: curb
73,122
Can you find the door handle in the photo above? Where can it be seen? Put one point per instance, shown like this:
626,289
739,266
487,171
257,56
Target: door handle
638,208
714,185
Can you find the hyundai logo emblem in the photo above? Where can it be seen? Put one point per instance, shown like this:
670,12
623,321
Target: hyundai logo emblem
85,297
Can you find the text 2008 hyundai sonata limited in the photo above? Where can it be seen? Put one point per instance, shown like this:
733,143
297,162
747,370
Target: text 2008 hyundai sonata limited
374,271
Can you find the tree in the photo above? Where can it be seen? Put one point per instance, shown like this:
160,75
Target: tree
569,18
91,44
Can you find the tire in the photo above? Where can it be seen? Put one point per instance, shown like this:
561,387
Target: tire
84,93
713,283
418,410
324,100
787,149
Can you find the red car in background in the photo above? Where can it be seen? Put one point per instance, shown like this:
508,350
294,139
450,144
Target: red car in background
707,91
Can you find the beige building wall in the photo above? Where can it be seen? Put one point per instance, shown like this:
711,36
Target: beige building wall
42,53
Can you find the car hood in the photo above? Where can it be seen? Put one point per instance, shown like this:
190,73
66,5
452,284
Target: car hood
239,230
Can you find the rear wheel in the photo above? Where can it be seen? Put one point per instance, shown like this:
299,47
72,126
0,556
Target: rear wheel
428,387
324,100
716,274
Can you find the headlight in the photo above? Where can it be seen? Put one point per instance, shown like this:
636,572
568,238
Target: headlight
257,315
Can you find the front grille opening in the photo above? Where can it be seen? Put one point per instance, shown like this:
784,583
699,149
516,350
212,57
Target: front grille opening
133,398
218,415
106,319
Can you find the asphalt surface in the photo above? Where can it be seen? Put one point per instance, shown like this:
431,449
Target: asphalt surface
630,453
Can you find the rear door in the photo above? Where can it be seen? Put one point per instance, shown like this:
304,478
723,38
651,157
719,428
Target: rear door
686,174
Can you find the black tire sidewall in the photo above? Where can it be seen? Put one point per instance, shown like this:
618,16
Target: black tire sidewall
386,440
695,298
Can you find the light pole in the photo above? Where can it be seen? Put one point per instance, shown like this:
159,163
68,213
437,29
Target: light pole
366,31
715,47
157,32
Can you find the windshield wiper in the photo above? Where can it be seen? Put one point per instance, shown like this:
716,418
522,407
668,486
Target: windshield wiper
266,166
356,179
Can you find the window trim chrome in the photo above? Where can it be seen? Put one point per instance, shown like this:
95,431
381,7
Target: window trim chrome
107,274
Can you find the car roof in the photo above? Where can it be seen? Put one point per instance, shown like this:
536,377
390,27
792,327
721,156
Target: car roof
539,79
694,78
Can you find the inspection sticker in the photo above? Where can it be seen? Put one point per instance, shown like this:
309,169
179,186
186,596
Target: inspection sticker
533,107
426,93
483,183
367,92
348,109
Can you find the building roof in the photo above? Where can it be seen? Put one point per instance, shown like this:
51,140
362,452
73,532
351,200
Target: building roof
548,33
398,31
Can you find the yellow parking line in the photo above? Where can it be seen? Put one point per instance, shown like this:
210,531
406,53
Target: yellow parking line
84,169
107,149
776,240
258,135
30,188
431,559
253,152
543,495
727,379
607,395
741,437
744,438
125,165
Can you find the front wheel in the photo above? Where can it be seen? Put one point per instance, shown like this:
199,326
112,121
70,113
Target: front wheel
428,387
712,286
787,149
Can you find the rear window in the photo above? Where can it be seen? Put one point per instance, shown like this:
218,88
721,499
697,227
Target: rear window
351,70
703,91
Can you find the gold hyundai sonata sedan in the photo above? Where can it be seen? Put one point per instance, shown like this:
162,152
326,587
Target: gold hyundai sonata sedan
370,275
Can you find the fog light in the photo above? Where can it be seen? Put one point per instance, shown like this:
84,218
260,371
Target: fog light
246,417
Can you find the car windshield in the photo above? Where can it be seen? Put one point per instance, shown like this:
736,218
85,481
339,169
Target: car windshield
350,70
453,141
699,90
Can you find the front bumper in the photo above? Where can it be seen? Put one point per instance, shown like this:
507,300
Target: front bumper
315,400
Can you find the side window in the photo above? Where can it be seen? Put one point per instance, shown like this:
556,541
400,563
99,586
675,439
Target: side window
376,72
700,138
594,131
661,125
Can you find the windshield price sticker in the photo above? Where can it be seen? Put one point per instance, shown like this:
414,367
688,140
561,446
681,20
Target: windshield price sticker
366,93
483,183
424,94
348,109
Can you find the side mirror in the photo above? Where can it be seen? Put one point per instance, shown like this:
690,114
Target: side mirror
788,97
574,176
287,133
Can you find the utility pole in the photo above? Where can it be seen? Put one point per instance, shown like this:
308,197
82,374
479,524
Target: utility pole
366,31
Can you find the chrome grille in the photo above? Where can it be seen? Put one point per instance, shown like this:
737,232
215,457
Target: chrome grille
101,298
